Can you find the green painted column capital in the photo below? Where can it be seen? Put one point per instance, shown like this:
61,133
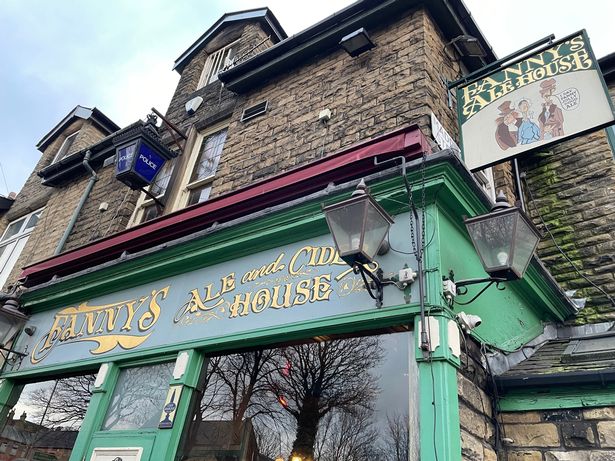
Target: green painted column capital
444,338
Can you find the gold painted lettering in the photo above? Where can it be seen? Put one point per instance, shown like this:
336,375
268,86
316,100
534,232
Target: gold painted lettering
292,268
240,301
582,60
149,318
321,289
303,292
70,331
228,283
577,43
262,299
54,333
286,298
130,307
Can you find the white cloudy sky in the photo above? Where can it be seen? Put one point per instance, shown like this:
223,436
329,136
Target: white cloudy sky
117,55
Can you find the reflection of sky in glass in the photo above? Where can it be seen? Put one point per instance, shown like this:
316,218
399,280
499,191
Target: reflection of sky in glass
24,403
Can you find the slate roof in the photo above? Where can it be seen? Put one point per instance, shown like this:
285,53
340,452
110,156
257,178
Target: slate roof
566,361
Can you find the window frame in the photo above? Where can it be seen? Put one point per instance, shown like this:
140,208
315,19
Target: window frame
15,243
62,152
213,65
185,185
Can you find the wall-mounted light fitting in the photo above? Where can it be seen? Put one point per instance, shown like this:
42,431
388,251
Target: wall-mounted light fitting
357,42
360,226
468,46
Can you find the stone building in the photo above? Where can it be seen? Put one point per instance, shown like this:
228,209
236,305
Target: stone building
266,128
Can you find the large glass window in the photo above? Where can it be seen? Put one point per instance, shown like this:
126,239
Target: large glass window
138,398
45,422
13,242
350,399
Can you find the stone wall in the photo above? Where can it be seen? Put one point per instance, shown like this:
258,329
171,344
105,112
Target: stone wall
392,85
475,407
59,202
560,435
573,187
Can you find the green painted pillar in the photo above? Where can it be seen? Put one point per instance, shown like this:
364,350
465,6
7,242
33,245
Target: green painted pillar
97,409
168,441
439,431
9,395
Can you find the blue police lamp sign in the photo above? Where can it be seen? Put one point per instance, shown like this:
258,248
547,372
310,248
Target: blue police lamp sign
140,155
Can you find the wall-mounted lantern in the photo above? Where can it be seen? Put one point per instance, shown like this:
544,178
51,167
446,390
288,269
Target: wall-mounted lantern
12,320
505,240
360,226
468,46
140,155
357,42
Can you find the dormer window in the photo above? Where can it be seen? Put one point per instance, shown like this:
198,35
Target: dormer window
217,62
65,147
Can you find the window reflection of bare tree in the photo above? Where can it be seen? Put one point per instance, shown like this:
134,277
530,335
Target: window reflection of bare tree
316,379
137,397
350,436
236,388
68,404
397,437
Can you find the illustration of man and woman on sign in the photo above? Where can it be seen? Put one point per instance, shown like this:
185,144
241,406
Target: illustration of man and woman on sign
516,127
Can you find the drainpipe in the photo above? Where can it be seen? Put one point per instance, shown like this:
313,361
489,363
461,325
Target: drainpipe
84,197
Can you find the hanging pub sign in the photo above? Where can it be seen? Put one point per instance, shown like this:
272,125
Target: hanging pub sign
546,98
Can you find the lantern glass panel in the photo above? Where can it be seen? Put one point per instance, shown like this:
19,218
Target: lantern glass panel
526,241
125,156
346,225
148,163
10,324
492,238
376,229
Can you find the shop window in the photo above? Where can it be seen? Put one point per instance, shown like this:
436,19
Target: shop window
201,170
138,397
65,147
45,421
13,242
327,401
146,208
216,63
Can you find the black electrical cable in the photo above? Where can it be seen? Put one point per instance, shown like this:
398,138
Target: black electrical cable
572,264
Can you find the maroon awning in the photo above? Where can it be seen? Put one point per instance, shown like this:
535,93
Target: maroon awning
341,166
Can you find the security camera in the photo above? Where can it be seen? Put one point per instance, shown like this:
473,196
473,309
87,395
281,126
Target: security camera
468,321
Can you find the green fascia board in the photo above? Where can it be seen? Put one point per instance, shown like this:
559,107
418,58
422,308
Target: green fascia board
558,398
